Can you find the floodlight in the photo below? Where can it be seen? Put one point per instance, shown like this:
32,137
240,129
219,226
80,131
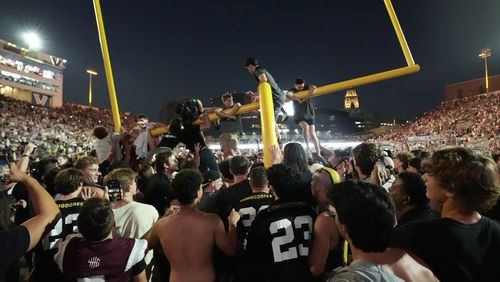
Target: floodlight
33,40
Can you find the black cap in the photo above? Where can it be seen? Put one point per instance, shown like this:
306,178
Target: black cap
251,61
209,176
299,80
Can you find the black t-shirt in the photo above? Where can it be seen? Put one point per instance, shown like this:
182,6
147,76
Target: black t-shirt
248,208
208,202
190,135
231,196
45,268
278,244
304,110
13,244
418,214
278,94
169,141
159,193
454,251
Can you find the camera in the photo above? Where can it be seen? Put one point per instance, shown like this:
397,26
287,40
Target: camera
114,190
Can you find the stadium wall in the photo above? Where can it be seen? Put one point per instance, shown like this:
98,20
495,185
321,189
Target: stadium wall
470,88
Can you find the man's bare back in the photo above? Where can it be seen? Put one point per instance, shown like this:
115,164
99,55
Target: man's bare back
188,238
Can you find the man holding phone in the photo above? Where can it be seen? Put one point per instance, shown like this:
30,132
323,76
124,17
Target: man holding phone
15,242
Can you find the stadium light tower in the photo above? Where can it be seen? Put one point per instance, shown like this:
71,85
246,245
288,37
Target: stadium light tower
485,53
91,73
33,41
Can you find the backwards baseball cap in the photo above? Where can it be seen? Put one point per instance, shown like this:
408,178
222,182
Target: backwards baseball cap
209,176
334,176
299,80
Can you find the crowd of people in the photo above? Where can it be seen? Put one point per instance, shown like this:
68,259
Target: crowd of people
133,207
63,130
471,121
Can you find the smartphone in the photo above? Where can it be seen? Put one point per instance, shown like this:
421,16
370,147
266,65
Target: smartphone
4,168
114,190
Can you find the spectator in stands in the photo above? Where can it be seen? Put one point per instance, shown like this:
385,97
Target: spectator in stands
462,245
365,156
401,162
17,241
326,252
158,192
271,255
188,237
98,254
304,112
69,183
365,217
229,197
408,193
132,219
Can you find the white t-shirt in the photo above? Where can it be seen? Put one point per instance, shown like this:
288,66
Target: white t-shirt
134,220
103,147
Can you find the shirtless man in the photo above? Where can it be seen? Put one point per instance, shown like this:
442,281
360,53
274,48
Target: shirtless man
188,236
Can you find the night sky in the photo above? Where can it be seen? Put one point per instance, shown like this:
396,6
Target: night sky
164,49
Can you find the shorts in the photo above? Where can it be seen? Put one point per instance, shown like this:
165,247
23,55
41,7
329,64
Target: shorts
277,111
309,121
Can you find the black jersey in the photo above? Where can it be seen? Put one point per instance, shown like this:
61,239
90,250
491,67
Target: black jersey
248,208
45,268
278,244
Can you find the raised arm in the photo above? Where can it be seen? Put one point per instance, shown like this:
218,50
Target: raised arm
24,160
44,206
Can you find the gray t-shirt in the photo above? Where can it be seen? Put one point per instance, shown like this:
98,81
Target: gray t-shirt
362,271
278,94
